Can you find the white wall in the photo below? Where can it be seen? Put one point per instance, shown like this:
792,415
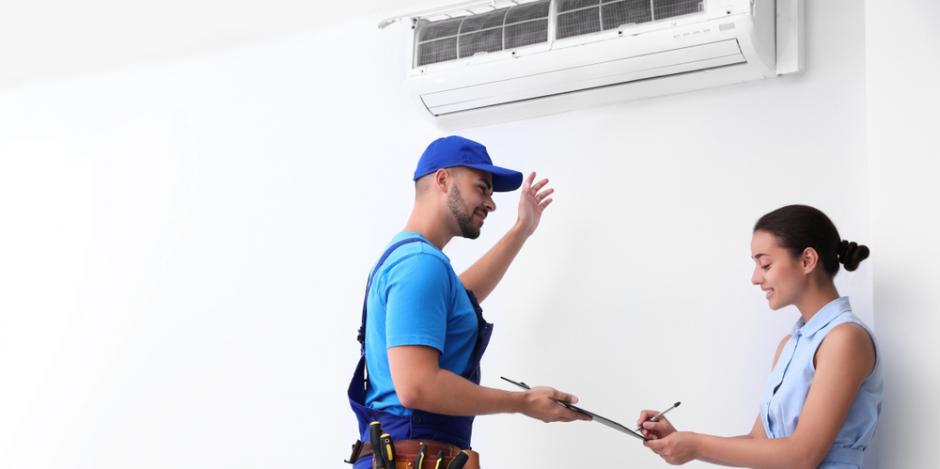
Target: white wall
184,249
903,56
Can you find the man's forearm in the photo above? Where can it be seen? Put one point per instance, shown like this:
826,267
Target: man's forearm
483,276
446,393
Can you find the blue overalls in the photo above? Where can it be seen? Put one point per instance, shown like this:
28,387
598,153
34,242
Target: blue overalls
419,425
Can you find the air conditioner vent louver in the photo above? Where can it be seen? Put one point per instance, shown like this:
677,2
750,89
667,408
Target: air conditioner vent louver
579,17
505,28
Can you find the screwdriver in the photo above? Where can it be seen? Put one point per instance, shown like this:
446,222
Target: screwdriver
389,450
422,453
375,439
440,460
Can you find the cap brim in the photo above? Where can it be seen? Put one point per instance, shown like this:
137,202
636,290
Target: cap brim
504,180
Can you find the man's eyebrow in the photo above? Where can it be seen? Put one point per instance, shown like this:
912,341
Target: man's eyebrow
486,182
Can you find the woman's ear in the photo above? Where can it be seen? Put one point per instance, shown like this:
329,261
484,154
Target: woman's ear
808,260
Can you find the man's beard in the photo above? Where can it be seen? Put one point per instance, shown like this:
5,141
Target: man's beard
464,219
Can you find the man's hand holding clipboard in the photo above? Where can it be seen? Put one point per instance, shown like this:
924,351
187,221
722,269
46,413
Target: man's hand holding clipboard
597,418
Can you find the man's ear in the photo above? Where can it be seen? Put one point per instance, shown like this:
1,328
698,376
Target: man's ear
443,178
809,260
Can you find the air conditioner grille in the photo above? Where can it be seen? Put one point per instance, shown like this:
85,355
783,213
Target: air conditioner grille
489,40
437,51
439,29
527,24
505,28
578,22
530,11
670,8
493,19
523,34
616,14
578,17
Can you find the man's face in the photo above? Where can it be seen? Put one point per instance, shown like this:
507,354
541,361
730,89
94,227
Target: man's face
470,199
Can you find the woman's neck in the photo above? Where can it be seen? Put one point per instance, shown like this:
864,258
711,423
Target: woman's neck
816,296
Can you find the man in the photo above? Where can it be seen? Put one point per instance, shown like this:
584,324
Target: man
423,330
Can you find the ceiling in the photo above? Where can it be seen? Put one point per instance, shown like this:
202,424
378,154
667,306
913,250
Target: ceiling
47,39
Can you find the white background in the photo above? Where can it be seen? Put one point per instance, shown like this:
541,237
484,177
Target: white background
184,245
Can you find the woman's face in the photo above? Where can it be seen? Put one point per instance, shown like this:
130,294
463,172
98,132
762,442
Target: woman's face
776,271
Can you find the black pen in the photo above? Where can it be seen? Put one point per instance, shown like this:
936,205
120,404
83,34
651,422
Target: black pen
657,416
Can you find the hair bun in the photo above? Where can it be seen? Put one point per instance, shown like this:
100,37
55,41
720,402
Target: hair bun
851,254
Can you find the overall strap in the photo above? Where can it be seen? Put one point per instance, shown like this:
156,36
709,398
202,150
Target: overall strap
361,337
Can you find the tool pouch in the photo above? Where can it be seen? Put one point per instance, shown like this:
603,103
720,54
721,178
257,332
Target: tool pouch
407,461
406,454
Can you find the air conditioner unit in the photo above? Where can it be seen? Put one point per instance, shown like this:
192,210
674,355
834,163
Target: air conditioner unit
546,55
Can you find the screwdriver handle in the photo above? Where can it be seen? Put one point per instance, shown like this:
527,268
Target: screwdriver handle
389,449
375,439
459,460
422,453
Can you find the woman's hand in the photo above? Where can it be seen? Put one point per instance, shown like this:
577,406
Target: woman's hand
676,448
661,428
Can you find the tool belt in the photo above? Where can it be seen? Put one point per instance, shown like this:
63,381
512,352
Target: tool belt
406,454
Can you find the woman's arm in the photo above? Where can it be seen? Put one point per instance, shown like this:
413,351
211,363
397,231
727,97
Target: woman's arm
843,361
663,428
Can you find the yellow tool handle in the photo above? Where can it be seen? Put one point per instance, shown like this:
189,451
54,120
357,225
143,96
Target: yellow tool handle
422,453
389,448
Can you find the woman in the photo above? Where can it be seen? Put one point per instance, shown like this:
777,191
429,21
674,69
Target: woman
823,398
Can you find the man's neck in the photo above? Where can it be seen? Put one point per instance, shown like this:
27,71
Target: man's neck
432,227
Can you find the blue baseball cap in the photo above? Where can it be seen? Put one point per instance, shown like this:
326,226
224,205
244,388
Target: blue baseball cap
448,152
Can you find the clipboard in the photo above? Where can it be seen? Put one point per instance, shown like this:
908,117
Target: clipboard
597,418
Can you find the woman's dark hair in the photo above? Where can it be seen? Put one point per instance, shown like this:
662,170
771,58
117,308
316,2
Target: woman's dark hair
798,227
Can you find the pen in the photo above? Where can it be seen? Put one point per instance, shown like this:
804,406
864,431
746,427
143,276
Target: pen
657,416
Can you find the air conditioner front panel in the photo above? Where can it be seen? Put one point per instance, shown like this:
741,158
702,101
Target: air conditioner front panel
503,66
625,70
727,41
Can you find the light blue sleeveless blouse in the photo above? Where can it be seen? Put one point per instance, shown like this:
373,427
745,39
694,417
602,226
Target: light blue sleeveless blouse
792,376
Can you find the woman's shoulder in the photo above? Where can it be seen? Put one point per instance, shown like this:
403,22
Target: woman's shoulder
849,336
848,344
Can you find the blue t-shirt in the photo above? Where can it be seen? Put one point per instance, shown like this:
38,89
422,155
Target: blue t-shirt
416,298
